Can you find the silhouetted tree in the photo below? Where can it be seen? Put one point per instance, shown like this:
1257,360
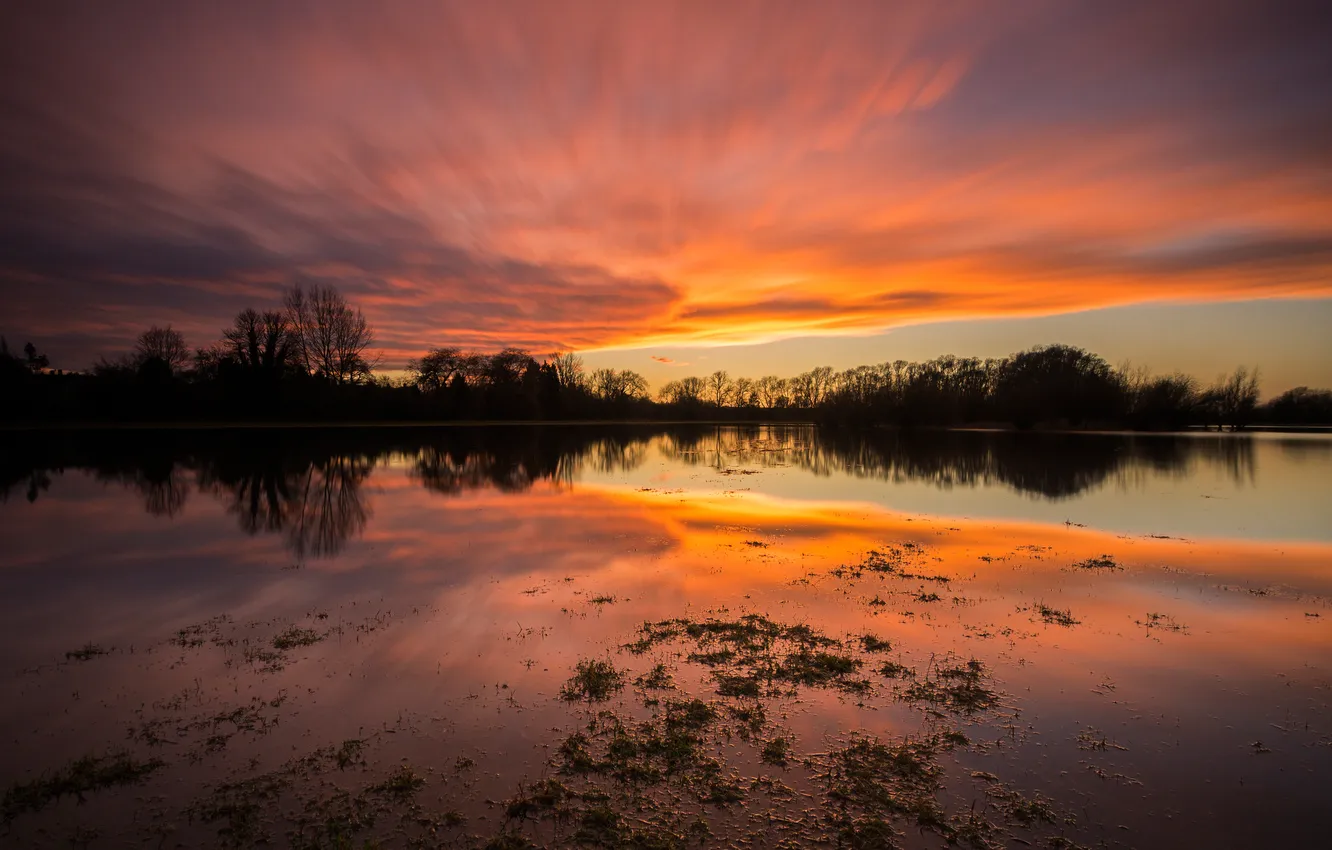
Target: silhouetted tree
330,339
569,369
1057,383
685,392
1300,406
1167,401
260,342
1233,399
161,345
506,367
36,362
614,385
743,392
719,387
771,391
435,370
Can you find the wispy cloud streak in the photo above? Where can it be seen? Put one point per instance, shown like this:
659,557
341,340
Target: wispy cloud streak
609,174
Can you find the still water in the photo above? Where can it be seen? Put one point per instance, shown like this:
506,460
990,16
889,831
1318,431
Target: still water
785,638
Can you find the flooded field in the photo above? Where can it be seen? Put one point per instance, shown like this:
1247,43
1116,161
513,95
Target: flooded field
665,637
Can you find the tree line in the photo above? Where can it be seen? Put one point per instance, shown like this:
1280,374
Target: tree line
312,358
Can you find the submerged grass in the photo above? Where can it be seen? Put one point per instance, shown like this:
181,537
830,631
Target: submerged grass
873,643
1162,621
593,680
659,678
776,751
1100,562
87,652
956,686
753,656
87,774
897,560
319,813
1056,616
295,637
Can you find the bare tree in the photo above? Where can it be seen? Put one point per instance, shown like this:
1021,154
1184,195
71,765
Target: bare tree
163,344
617,385
684,391
332,338
719,387
569,369
770,390
1235,397
260,341
743,392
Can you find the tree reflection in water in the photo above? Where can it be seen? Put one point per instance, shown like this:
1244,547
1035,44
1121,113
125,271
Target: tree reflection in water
308,484
316,501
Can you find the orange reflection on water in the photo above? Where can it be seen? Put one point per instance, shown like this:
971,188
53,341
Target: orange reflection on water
537,560
463,605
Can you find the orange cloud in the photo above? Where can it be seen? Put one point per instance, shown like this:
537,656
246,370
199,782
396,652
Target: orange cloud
604,174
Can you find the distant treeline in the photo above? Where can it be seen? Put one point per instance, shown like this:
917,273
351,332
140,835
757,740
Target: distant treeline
312,359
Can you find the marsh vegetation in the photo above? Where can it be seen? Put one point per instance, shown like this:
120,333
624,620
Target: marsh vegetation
578,643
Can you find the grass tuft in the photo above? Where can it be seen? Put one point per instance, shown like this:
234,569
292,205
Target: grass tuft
593,680
87,774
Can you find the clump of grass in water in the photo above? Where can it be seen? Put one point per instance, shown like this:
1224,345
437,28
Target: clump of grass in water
295,637
620,781
602,600
595,823
1162,621
672,748
893,670
753,655
657,679
959,687
1095,739
401,786
87,774
318,813
200,633
873,643
753,715
593,680
776,751
871,786
1100,562
1056,616
820,669
892,561
87,652
870,783
349,753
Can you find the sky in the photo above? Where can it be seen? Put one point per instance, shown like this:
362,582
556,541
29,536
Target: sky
757,187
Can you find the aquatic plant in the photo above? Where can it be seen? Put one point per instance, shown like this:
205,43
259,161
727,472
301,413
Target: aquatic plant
594,680
82,776
1056,616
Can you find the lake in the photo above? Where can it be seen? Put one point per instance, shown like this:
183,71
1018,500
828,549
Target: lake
664,636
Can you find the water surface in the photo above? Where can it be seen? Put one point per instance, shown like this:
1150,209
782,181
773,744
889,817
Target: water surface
326,637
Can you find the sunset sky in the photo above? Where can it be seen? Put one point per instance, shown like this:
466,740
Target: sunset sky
679,187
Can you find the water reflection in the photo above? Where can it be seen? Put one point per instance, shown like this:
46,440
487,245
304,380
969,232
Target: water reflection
308,486
1053,466
316,502
455,578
